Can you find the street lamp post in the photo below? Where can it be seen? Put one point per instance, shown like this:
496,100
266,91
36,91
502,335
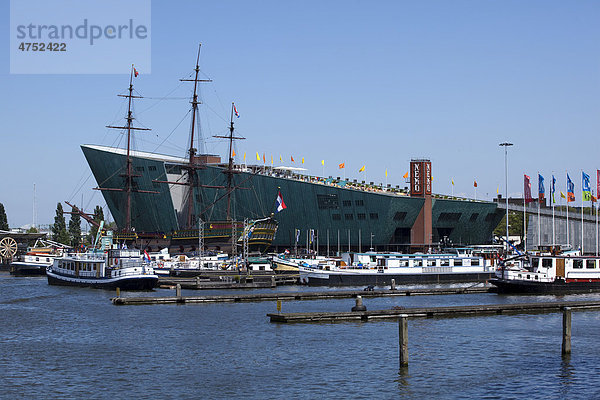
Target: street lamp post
505,145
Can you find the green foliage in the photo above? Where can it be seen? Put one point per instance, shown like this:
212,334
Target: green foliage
59,228
3,219
33,229
75,230
515,225
98,217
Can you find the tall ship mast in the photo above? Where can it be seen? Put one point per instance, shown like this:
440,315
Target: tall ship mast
128,175
230,172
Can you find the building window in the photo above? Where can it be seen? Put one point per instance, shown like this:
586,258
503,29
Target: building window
359,202
336,217
347,203
173,169
152,168
327,201
140,169
399,216
449,217
374,216
348,216
361,216
490,217
474,217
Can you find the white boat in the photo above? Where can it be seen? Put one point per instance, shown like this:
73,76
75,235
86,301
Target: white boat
379,269
115,268
38,258
550,274
182,265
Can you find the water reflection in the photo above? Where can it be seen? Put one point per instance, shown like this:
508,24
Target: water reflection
403,381
566,375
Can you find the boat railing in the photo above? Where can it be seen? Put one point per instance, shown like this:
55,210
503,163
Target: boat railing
86,256
132,270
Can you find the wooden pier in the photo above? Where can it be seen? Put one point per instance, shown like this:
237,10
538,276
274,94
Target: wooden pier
230,281
430,312
290,296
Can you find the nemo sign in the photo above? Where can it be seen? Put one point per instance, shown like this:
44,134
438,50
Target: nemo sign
420,177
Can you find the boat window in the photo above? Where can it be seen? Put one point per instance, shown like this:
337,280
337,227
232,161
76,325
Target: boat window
547,262
577,264
445,262
37,259
458,263
590,264
431,263
475,261
535,261
418,263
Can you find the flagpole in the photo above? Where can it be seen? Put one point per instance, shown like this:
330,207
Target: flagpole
582,203
597,228
553,229
567,201
538,221
524,223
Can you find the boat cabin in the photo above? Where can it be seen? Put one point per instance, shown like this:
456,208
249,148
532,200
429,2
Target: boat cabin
551,268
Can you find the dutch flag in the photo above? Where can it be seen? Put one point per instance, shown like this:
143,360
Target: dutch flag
280,204
237,114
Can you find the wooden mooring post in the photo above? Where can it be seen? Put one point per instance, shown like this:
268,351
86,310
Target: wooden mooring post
566,336
178,290
403,339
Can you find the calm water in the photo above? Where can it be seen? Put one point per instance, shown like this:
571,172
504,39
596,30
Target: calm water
58,342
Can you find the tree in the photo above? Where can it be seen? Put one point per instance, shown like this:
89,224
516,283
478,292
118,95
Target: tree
3,219
515,224
75,229
98,217
59,229
33,229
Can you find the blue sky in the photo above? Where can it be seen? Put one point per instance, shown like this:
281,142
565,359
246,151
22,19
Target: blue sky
365,83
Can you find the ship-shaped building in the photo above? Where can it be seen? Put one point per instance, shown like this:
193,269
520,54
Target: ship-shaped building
335,212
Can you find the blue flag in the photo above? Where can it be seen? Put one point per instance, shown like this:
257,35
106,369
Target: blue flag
553,188
585,187
541,189
570,190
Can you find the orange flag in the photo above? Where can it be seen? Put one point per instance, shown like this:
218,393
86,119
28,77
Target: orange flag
292,157
264,158
405,175
474,183
342,165
232,153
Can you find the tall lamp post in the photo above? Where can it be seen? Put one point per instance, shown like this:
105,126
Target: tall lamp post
505,145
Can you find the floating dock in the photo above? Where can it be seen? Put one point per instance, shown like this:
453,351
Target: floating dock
430,312
290,296
228,282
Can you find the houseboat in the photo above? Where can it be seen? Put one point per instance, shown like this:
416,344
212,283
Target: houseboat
114,268
550,274
379,269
